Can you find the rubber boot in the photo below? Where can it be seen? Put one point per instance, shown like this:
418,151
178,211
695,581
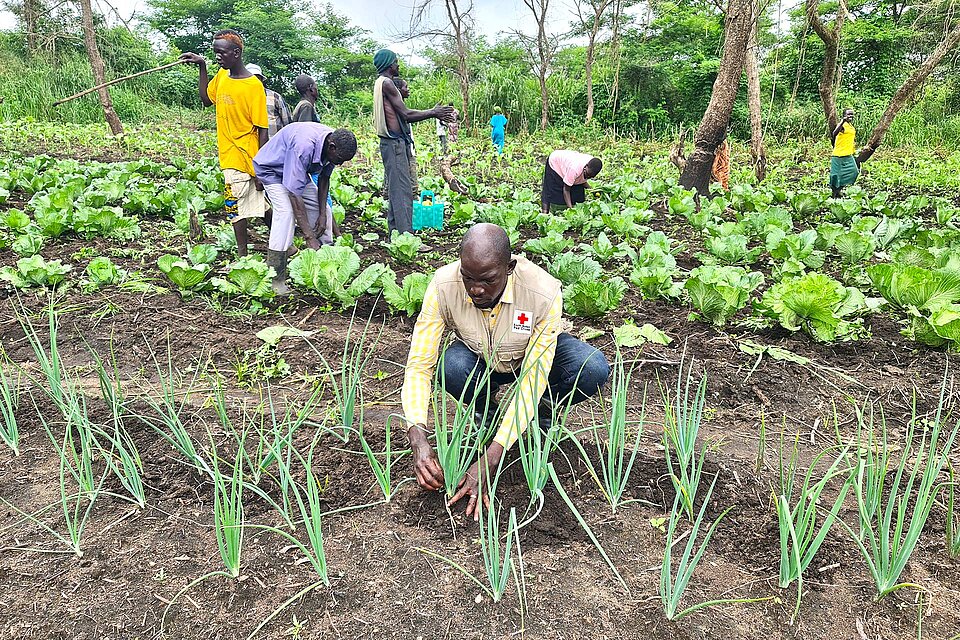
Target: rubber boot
278,260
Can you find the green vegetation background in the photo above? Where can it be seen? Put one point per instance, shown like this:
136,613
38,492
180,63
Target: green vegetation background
666,70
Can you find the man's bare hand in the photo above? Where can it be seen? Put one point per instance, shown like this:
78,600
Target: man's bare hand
445,114
477,480
193,58
426,465
313,243
257,184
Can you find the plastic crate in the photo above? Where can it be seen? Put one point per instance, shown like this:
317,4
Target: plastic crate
427,216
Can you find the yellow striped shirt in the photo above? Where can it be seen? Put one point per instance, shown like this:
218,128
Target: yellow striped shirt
532,378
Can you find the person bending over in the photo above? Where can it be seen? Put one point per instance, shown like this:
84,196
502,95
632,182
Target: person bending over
565,176
285,166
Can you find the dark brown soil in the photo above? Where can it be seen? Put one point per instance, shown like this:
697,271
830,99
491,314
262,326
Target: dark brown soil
383,585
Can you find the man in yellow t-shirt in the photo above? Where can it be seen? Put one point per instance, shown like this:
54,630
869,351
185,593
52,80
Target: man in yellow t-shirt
242,124
843,165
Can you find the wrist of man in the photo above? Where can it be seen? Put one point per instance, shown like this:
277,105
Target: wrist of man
493,455
417,434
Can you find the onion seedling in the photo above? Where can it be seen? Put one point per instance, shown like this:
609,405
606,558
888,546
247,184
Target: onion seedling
800,537
460,441
953,518
167,409
873,461
346,382
75,505
497,555
48,357
585,526
122,456
228,518
616,465
890,535
672,589
9,402
307,499
682,415
381,470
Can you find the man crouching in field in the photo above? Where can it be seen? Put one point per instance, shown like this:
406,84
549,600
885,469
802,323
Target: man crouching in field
505,312
241,105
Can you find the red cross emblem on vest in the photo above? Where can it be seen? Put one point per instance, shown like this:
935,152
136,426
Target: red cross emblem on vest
523,322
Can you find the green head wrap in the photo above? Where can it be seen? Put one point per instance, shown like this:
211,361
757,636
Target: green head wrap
383,58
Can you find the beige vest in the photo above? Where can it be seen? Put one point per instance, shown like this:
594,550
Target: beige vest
527,299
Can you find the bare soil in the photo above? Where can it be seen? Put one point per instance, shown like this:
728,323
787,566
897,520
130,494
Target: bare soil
383,585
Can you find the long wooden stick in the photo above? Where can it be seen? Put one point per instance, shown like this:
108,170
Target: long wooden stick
116,80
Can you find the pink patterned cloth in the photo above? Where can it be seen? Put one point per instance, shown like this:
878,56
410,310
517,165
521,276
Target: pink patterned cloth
453,126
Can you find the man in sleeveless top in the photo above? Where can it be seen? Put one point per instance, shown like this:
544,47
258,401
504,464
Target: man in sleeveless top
505,312
388,111
843,164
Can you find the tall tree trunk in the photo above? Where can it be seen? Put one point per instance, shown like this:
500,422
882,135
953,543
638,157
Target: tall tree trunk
831,57
906,91
615,58
31,18
737,28
757,152
459,25
544,102
588,75
96,64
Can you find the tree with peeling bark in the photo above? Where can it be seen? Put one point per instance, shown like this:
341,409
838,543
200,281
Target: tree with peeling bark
828,80
540,50
458,30
98,68
738,25
830,36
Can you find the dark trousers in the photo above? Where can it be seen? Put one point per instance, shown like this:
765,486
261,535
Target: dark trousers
578,372
395,153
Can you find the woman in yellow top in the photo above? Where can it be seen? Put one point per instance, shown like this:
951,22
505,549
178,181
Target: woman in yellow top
843,164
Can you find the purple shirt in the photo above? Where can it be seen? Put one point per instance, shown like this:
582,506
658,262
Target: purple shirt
292,155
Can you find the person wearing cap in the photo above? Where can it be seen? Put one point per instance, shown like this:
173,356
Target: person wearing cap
242,124
306,109
285,166
389,112
565,175
278,114
506,315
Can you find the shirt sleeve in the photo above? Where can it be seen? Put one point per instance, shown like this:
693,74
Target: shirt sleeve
212,86
422,359
535,370
283,113
258,106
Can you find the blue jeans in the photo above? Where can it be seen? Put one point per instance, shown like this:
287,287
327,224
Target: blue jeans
578,372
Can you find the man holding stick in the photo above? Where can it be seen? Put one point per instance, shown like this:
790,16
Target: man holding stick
241,105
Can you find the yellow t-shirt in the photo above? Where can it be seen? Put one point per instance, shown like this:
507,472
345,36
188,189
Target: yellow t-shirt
241,108
844,144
